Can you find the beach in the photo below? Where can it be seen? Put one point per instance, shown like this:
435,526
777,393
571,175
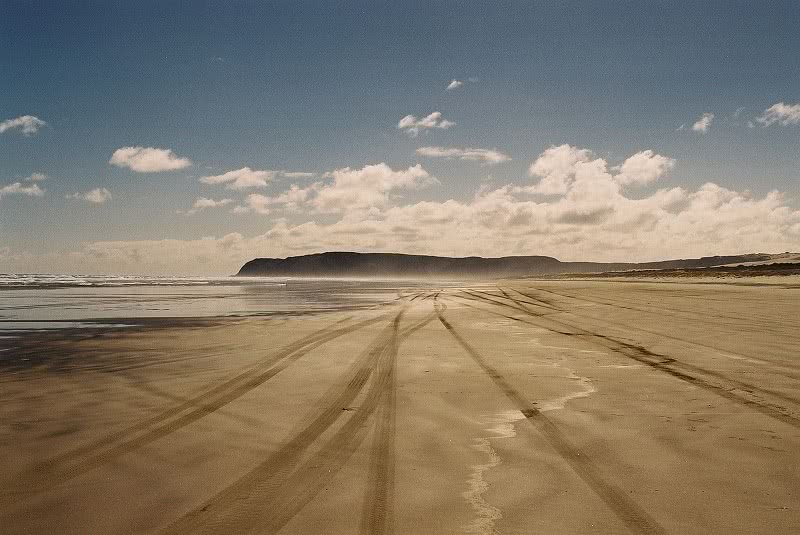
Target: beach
518,406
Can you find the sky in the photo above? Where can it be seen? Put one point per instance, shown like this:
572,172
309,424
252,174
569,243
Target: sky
189,137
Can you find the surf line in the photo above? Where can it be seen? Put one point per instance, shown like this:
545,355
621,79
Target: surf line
477,486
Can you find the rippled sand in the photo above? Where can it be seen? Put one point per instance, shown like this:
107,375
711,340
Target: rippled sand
512,407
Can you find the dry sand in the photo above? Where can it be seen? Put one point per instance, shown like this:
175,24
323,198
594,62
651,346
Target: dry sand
513,407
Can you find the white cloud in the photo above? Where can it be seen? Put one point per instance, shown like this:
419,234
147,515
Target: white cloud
580,225
455,84
257,203
95,196
298,174
414,126
783,114
148,159
202,203
488,156
17,188
589,216
28,124
368,187
556,168
567,170
36,177
703,123
644,167
292,199
352,190
243,178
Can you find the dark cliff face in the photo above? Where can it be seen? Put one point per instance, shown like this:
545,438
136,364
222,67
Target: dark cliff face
342,264
347,264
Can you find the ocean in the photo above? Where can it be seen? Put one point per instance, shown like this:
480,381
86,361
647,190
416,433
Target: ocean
36,302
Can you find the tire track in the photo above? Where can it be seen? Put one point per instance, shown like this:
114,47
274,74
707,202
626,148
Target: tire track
319,470
662,309
144,387
377,516
491,311
271,494
668,336
84,459
377,513
751,395
629,512
748,396
742,385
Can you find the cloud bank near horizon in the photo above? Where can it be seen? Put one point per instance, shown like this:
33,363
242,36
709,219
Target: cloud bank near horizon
575,205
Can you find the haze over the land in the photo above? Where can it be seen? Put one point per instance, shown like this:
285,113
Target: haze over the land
150,138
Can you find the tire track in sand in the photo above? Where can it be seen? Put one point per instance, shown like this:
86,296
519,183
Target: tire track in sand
377,513
790,372
740,392
269,496
629,512
81,460
744,394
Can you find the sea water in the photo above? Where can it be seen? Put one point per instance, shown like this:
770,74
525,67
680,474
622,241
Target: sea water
33,301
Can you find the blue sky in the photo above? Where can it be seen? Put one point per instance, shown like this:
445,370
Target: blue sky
314,87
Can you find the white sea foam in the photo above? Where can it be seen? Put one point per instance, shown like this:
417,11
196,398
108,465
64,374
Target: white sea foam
486,515
43,280
586,389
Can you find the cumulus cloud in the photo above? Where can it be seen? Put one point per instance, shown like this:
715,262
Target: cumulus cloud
95,196
36,177
556,167
703,123
644,167
591,218
588,216
18,188
351,190
243,178
148,159
455,84
368,187
780,113
568,170
202,203
580,225
292,199
414,126
256,203
298,174
27,124
488,156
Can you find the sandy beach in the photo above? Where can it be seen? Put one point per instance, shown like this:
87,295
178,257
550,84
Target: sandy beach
521,406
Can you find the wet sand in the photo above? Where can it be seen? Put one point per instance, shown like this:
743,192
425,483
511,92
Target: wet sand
513,407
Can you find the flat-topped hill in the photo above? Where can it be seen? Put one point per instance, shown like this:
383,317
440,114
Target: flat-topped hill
350,264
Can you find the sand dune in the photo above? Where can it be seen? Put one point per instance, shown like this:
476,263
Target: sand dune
503,407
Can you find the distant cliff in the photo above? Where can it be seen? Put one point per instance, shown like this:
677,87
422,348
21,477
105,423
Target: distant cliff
345,264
